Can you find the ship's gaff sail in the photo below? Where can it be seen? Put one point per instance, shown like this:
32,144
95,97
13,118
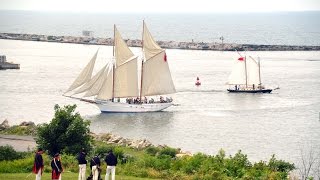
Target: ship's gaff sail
244,72
238,73
85,74
126,79
156,76
92,81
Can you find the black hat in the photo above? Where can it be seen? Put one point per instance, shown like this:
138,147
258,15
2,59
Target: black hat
56,155
40,149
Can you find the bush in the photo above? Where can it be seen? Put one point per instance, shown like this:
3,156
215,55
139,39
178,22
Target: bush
67,132
20,130
283,168
8,153
237,165
151,150
168,151
102,150
23,165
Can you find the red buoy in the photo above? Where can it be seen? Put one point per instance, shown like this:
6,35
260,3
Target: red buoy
198,83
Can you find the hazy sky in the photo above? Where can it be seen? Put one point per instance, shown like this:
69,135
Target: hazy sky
162,5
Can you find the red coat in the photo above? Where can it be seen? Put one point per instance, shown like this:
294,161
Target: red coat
38,163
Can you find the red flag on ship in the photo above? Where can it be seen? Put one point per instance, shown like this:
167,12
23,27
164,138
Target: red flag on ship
241,58
165,57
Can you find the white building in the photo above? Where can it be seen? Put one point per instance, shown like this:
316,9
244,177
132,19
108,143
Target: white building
3,59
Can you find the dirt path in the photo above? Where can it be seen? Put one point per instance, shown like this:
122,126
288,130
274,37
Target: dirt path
19,143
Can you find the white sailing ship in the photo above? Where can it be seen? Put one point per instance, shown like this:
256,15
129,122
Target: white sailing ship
121,81
246,77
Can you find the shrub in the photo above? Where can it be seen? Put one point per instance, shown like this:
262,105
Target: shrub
283,168
20,130
168,151
8,153
67,132
102,150
152,150
23,165
193,164
237,165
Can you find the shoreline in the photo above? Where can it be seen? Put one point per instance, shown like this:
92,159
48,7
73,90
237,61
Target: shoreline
26,141
164,44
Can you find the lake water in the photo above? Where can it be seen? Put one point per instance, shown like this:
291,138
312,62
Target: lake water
283,28
206,118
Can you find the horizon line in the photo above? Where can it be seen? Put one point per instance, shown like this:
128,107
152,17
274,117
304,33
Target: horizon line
169,12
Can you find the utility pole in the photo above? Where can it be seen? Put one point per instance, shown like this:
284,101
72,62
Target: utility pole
222,46
221,38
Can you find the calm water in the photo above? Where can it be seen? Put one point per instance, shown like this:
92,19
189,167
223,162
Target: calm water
206,119
295,28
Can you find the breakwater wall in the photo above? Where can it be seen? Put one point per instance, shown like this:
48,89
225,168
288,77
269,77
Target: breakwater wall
164,44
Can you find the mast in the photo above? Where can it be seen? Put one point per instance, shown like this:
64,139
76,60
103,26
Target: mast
142,60
113,67
259,73
245,67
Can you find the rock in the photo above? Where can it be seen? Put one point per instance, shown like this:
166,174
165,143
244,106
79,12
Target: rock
162,146
115,139
24,123
4,125
181,154
140,144
105,137
123,142
134,144
94,136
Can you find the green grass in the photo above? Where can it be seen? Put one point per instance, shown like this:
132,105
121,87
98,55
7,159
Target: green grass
47,176
20,130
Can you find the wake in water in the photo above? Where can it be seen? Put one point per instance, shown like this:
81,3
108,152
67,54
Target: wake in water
198,90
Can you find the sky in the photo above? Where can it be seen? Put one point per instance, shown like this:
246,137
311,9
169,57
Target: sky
162,6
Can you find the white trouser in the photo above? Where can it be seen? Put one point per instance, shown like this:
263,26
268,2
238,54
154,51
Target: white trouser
82,172
95,173
38,176
112,170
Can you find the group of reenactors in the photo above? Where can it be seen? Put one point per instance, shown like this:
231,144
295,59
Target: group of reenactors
95,163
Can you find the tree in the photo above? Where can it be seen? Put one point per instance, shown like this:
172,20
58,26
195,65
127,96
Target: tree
67,132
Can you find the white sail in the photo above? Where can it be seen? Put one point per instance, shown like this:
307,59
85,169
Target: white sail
242,69
121,80
157,77
125,75
103,90
85,74
126,79
238,73
121,49
150,47
252,72
90,83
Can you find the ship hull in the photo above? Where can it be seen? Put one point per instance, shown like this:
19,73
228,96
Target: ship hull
250,91
118,107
